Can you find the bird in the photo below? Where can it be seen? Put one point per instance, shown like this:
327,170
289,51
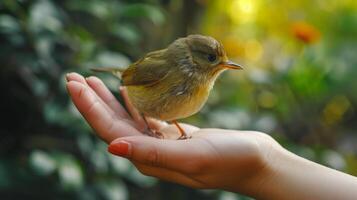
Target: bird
175,82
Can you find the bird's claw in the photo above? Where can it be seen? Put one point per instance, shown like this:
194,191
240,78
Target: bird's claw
184,137
154,133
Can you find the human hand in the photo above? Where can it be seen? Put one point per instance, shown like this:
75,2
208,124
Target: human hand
106,116
212,158
237,161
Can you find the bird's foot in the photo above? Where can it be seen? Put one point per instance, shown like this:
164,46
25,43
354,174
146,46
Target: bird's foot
154,133
184,137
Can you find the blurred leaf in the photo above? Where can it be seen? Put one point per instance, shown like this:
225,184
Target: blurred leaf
40,87
42,163
9,24
85,143
230,119
145,11
232,196
265,123
120,165
44,46
113,190
98,157
51,112
11,27
44,16
228,196
128,33
111,59
140,179
69,171
98,8
126,168
334,160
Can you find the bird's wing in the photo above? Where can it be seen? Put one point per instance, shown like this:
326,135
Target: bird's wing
147,71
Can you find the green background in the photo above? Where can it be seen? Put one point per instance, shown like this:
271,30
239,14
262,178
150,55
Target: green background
299,85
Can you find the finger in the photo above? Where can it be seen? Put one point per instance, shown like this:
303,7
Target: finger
77,77
89,106
184,156
189,129
156,124
168,175
135,114
96,114
103,92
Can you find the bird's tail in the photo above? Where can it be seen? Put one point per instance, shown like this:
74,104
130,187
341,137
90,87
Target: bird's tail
115,71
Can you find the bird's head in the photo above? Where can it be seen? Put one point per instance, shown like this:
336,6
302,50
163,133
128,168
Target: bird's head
208,54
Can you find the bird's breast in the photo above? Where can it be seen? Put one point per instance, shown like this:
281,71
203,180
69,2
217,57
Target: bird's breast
170,99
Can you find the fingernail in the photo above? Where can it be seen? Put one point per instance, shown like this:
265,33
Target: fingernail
67,76
121,148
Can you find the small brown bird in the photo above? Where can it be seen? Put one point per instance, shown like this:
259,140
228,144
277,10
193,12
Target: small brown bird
175,82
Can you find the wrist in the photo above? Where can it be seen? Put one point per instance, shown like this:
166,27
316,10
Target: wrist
275,159
289,176
285,175
271,156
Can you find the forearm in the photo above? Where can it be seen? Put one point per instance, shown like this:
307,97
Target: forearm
293,177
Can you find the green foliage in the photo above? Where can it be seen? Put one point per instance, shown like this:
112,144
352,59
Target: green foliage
299,91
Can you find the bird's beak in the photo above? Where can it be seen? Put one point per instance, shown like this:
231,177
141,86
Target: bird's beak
230,65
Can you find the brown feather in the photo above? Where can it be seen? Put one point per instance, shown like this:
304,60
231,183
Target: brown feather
147,71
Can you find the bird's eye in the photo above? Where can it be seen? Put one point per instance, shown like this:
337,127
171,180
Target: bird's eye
211,57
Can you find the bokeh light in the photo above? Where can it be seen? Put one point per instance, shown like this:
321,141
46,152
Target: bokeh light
242,11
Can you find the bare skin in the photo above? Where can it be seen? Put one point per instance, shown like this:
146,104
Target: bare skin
248,162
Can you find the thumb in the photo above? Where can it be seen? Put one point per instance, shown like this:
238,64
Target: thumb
178,155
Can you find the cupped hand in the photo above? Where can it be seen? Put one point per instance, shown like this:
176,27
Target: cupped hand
212,158
107,116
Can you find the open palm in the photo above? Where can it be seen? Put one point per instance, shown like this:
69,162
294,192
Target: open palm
212,158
